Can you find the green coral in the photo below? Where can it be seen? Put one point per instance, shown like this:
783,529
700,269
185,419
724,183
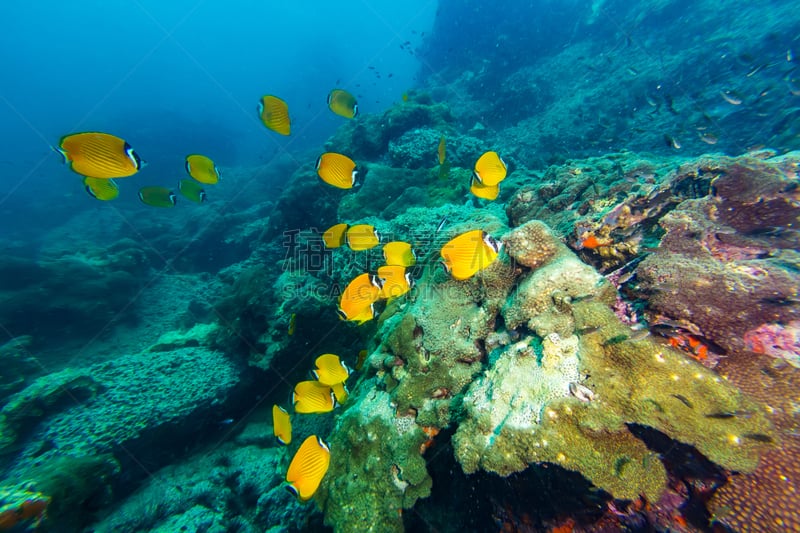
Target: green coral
376,468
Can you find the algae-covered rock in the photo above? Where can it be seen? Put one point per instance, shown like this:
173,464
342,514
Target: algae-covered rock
134,400
44,397
388,192
368,136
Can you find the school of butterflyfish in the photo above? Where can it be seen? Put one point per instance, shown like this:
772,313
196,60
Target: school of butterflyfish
322,394
102,158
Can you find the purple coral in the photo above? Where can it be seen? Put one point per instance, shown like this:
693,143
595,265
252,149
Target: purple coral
776,340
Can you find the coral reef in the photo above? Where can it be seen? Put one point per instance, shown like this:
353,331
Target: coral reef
726,268
564,194
769,498
528,366
553,414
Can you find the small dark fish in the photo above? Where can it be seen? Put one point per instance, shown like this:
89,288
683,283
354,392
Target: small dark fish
441,224
769,372
639,334
780,301
581,392
708,137
670,106
754,71
226,422
731,97
684,400
625,278
758,437
720,415
723,415
671,141
655,404
620,463
616,339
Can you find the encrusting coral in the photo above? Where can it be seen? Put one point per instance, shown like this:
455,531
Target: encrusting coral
529,364
569,403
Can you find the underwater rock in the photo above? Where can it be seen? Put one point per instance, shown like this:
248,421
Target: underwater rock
19,366
304,202
42,399
368,136
414,149
231,487
360,139
245,310
381,188
197,335
417,148
50,301
133,401
387,192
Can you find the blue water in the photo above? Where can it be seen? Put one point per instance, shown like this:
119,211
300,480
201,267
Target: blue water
174,78
590,102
